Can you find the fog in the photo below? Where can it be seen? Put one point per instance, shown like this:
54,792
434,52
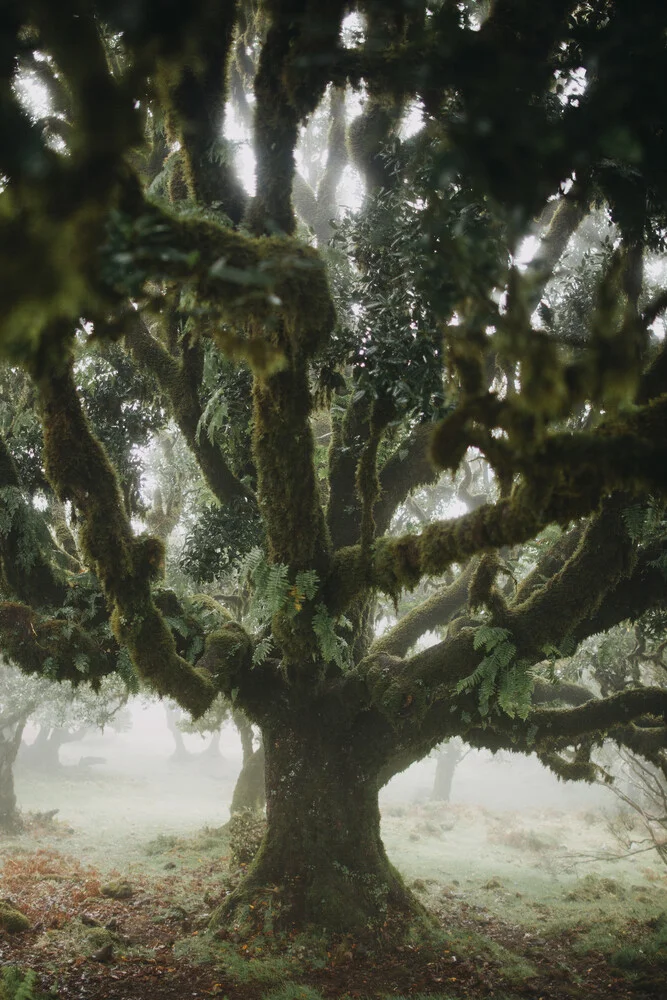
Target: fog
117,787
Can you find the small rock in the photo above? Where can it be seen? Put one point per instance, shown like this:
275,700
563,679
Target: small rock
117,890
89,921
103,954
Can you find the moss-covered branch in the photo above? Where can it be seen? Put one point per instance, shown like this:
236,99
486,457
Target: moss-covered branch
79,470
287,486
565,478
563,224
28,570
434,612
294,69
349,436
187,412
54,647
193,91
409,467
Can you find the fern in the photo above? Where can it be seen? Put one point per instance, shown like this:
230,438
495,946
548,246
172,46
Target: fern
489,636
16,985
262,650
498,674
333,647
82,663
215,417
177,625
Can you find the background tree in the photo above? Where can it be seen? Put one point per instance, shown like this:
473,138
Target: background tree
62,707
416,343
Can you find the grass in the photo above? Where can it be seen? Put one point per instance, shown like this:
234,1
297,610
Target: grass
509,890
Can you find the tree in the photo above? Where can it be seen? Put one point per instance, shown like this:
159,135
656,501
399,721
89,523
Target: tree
56,708
415,343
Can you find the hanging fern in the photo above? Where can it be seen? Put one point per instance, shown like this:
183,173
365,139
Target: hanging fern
499,674
333,647
262,650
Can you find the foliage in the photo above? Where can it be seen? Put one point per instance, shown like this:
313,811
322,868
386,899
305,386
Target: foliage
498,674
19,985
246,829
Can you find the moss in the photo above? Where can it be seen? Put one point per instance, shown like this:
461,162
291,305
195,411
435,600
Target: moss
286,481
116,890
11,919
246,830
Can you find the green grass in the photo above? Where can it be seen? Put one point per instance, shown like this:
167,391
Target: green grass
293,991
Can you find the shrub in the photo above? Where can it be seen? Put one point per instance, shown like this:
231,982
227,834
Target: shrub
246,829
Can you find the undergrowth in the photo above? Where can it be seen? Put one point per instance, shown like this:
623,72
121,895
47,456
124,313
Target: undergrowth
18,985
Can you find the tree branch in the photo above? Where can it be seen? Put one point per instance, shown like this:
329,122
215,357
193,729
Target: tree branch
432,613
79,470
409,467
181,390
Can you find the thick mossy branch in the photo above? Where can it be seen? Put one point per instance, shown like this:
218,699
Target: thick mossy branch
598,715
192,86
186,408
349,436
577,471
435,612
242,279
604,558
408,468
294,69
563,224
26,548
253,688
79,470
287,486
54,647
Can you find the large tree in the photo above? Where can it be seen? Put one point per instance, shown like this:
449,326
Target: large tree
414,343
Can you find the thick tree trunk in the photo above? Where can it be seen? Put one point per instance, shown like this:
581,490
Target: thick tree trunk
322,863
10,740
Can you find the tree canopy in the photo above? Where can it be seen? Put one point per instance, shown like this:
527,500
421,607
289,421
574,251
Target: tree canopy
323,367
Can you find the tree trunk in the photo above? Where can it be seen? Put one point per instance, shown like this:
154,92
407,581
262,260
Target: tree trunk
446,763
322,863
250,788
43,754
10,741
172,716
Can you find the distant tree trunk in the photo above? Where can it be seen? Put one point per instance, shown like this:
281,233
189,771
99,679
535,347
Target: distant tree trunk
322,861
450,755
250,790
11,731
212,751
43,753
180,752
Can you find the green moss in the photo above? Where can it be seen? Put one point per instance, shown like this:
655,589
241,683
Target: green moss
11,919
116,890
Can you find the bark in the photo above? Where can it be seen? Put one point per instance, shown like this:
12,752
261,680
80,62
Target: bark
322,862
249,791
11,732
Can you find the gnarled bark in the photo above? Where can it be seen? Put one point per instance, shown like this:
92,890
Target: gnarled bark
322,862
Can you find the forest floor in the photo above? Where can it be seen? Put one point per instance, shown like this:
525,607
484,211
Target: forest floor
527,908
